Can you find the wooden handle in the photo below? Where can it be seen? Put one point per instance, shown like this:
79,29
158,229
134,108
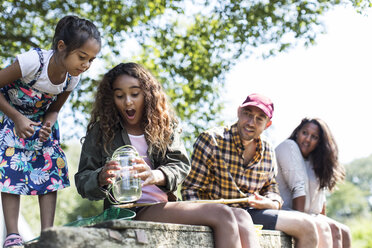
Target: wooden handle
223,201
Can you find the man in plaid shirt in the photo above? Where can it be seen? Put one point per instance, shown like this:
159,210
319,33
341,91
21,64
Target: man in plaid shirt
236,162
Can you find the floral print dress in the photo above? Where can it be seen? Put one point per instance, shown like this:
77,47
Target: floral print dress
29,166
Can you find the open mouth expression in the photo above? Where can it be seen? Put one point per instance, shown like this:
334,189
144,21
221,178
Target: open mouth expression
130,113
129,100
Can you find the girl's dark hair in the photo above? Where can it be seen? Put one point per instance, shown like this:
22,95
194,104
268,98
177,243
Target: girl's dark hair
158,118
74,32
325,155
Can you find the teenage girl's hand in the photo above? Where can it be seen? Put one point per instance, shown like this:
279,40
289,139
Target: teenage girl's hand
45,131
146,174
260,202
24,127
108,173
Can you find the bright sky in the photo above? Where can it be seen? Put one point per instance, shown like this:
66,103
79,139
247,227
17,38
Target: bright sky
331,80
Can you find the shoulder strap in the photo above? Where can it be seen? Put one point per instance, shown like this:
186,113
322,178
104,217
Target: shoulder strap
38,73
67,81
41,58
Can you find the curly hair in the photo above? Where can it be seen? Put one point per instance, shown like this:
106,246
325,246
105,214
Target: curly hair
324,157
159,121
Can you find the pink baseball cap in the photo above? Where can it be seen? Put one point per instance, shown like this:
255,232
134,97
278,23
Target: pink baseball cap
261,102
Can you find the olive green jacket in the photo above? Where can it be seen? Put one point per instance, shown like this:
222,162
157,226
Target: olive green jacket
175,164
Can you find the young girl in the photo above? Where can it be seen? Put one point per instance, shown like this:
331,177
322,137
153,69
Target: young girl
33,90
308,166
131,108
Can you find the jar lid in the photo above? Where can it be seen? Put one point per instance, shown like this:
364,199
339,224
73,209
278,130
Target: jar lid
124,150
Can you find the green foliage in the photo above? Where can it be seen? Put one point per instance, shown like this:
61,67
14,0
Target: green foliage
359,172
361,5
351,198
347,202
188,45
361,231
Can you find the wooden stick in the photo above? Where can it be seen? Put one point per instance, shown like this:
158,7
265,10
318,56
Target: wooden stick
223,201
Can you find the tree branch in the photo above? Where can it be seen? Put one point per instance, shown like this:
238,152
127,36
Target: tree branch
23,39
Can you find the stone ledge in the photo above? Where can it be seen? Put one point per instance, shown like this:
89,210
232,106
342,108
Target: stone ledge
129,233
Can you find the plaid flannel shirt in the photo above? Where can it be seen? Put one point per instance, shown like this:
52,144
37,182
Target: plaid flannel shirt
218,170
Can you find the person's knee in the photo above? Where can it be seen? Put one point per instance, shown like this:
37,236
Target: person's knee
300,226
225,215
346,233
346,229
242,215
324,228
307,229
336,231
305,222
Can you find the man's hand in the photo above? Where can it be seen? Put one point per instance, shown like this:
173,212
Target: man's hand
260,202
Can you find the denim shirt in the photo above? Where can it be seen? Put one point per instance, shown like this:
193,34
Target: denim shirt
175,164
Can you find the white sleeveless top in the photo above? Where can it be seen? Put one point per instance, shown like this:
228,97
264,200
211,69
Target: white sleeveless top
29,63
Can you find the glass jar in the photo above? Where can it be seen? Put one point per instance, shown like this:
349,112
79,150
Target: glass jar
126,188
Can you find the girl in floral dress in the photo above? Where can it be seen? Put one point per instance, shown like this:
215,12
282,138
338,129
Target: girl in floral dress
33,90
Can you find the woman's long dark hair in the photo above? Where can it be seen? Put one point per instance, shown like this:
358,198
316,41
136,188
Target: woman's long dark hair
325,155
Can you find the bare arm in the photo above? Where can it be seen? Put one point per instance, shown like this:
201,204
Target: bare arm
299,203
323,209
52,114
10,74
23,125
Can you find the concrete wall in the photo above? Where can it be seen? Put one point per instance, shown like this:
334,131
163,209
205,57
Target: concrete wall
124,233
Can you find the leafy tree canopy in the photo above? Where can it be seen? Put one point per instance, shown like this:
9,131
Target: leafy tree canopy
188,45
348,201
359,172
